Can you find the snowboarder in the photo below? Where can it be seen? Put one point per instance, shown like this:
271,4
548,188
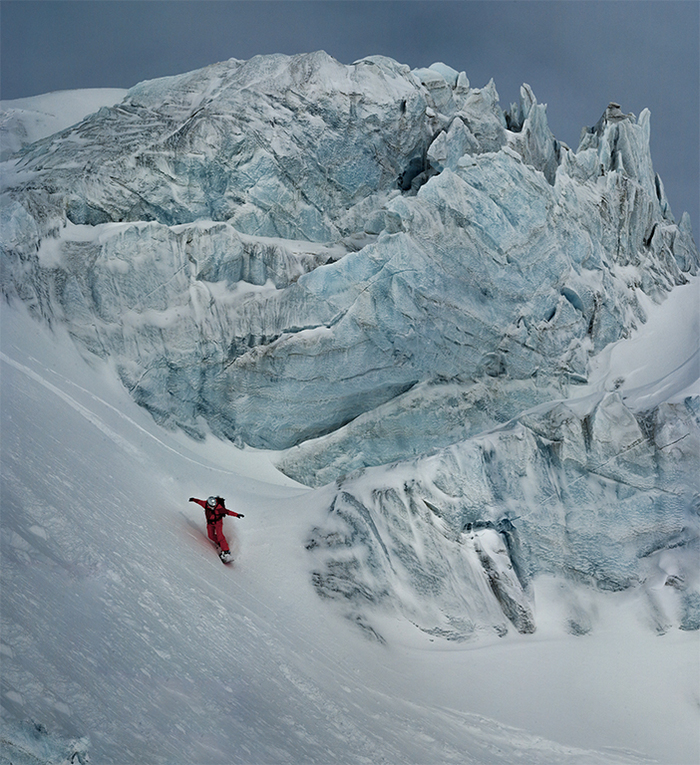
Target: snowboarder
215,509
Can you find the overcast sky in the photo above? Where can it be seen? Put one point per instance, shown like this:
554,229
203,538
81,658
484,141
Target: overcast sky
577,55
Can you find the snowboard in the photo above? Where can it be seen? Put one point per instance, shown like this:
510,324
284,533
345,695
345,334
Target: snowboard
226,557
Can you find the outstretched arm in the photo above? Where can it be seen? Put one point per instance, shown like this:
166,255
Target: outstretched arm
235,515
201,502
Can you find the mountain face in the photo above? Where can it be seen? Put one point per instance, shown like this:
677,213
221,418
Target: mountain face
368,264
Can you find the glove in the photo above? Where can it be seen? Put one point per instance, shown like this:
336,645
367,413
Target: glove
191,499
240,515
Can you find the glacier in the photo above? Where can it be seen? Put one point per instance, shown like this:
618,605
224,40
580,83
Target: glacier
407,298
270,249
588,494
24,121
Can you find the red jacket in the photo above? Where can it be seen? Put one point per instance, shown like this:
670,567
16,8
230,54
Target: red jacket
217,513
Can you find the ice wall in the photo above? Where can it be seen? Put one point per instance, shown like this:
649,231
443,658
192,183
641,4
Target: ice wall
30,743
593,495
270,249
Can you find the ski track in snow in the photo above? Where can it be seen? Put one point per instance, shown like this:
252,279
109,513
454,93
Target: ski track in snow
83,411
91,417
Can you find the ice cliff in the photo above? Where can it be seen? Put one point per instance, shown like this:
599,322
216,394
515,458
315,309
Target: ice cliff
587,493
368,264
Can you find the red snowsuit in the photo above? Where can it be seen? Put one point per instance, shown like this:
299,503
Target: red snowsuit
215,520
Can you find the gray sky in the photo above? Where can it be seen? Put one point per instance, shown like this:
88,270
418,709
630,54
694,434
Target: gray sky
576,54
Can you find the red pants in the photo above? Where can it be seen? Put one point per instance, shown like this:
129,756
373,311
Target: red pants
217,535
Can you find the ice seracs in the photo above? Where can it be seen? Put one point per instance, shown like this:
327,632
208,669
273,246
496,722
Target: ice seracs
475,244
590,494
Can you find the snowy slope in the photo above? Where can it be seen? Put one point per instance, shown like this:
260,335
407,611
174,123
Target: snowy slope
660,362
26,120
119,622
